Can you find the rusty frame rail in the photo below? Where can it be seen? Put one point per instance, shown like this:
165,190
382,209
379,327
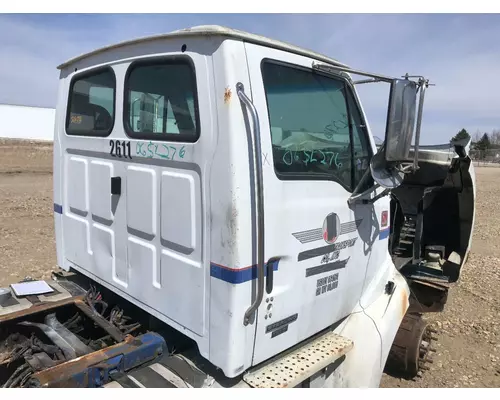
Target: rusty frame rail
77,301
38,308
97,368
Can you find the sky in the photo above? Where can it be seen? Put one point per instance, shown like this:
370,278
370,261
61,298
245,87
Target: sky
459,53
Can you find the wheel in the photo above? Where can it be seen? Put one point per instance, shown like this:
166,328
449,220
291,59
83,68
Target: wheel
411,349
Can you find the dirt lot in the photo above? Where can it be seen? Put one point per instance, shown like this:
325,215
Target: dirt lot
468,350
26,218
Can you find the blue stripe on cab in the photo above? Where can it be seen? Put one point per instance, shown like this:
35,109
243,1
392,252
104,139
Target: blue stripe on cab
236,276
384,234
58,208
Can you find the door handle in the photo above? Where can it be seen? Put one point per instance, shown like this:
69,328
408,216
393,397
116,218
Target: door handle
269,277
116,185
270,273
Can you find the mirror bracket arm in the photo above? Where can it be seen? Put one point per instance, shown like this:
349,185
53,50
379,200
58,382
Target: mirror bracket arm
359,198
356,195
384,193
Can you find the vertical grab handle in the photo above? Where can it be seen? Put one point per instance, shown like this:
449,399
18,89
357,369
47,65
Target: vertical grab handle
257,154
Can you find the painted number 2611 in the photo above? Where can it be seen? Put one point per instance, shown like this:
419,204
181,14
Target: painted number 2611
120,148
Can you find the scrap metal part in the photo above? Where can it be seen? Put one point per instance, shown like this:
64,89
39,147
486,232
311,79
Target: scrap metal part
58,340
40,308
97,368
40,361
19,375
76,344
71,360
16,346
427,296
412,347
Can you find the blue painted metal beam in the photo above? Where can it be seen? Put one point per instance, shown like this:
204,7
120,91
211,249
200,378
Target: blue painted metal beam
96,369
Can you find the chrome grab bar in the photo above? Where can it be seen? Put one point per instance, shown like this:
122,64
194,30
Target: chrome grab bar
257,153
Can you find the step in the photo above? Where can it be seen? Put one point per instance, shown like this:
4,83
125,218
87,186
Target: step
300,364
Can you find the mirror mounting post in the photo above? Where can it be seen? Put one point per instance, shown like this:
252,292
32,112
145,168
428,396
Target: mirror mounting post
423,83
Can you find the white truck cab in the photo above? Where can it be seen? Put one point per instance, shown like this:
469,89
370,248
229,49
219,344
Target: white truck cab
226,184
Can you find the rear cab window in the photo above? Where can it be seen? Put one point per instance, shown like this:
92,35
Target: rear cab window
91,103
160,101
317,130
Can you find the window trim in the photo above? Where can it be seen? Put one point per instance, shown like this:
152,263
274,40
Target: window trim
354,95
79,76
351,136
347,87
163,137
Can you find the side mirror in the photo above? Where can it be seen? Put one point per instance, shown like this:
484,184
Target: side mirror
400,120
387,165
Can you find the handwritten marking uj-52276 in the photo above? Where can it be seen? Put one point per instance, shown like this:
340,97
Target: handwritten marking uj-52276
156,150
311,157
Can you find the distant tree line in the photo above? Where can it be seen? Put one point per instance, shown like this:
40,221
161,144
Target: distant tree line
480,141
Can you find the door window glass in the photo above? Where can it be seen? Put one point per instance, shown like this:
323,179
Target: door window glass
313,118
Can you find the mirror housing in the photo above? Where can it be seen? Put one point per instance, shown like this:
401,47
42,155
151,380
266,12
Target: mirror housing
387,166
400,120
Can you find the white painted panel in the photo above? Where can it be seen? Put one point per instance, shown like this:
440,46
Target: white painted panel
182,281
178,211
78,239
143,265
77,184
100,189
141,200
104,252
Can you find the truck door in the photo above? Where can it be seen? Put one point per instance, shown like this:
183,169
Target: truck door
315,150
132,161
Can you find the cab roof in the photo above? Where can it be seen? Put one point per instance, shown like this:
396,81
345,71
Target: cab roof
213,30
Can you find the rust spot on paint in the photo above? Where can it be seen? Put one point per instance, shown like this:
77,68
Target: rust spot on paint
227,95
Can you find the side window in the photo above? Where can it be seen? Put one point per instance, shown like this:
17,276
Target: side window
310,125
91,107
160,101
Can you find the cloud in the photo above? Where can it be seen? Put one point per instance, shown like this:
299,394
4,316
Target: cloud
457,52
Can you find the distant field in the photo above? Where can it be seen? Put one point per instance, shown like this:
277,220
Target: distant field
25,156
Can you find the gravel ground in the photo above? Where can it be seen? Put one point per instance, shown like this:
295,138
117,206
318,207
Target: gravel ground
27,240
468,349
